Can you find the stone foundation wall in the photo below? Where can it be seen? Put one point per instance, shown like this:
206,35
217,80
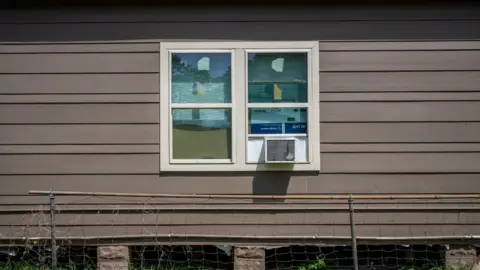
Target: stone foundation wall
247,258
113,258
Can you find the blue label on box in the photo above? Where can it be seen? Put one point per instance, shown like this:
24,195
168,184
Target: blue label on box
295,128
266,128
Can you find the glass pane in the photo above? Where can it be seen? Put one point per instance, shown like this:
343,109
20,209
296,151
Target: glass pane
277,77
201,78
277,120
202,133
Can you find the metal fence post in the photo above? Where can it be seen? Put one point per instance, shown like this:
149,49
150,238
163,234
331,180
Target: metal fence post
51,196
352,233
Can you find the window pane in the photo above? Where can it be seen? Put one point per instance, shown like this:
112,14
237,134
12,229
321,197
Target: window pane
202,133
277,120
201,78
277,77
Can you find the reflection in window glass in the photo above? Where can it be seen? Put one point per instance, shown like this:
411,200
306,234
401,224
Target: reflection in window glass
277,77
202,133
201,77
277,120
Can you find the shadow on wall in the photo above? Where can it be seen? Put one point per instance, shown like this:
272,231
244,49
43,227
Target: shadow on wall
270,183
274,183
263,183
241,23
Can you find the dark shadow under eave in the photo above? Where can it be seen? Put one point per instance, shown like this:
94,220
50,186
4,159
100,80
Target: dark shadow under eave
412,20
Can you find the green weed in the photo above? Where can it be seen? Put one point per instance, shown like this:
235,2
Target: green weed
318,264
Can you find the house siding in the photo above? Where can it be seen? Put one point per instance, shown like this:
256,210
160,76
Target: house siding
79,111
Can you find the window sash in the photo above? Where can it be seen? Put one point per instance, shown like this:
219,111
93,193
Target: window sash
228,105
307,105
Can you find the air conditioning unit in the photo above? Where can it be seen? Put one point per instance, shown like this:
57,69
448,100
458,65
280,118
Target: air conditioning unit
279,150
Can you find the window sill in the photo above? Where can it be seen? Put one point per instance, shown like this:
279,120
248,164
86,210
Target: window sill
202,167
202,161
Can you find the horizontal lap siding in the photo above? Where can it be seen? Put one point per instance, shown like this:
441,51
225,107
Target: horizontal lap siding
79,63
401,132
79,134
81,48
81,98
412,96
161,233
112,83
149,218
399,107
400,60
339,162
245,14
400,112
401,162
249,30
152,217
330,224
87,204
79,164
258,183
400,81
76,109
79,113
411,104
149,222
396,117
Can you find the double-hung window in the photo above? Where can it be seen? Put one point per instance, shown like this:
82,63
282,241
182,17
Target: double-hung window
239,106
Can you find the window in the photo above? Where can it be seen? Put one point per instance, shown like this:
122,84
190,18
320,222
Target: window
201,107
239,106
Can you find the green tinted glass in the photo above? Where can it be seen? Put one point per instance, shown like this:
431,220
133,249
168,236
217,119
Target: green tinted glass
277,77
201,78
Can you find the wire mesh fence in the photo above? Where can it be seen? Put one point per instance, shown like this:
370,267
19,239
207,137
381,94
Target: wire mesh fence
306,233
211,257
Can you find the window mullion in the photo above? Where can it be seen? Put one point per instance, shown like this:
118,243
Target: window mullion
240,109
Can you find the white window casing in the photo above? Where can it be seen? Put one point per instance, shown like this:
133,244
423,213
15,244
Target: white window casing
239,105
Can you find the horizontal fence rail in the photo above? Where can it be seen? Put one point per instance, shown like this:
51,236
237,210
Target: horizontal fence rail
68,219
291,197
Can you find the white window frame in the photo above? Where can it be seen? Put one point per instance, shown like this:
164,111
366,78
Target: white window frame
239,105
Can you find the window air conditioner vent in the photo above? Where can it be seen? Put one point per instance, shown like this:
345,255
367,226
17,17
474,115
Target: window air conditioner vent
279,150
